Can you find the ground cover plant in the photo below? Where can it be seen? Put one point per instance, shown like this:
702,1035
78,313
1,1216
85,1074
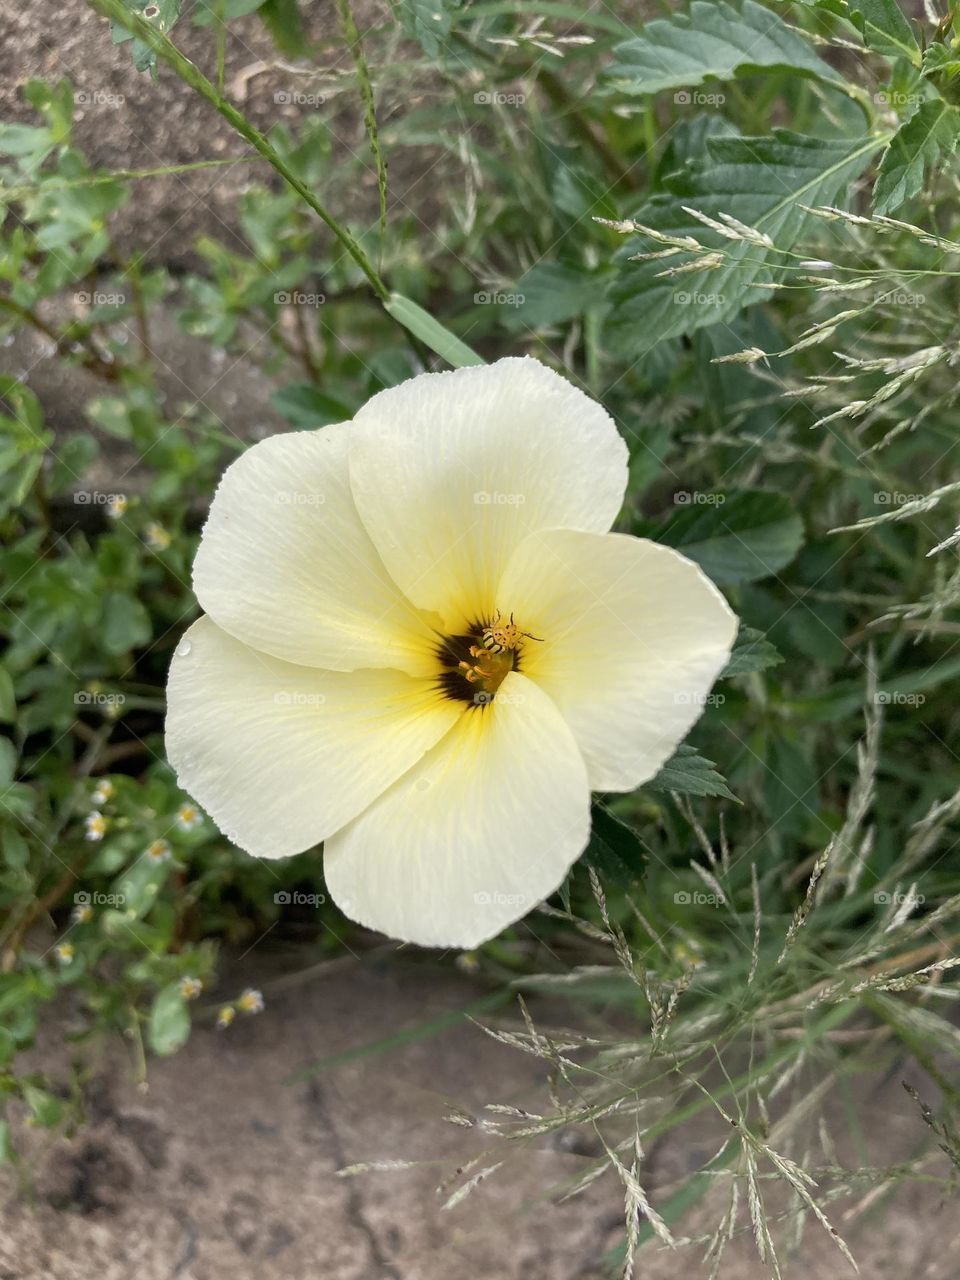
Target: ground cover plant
735,227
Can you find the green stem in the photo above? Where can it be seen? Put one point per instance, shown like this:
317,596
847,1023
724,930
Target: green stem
191,75
355,45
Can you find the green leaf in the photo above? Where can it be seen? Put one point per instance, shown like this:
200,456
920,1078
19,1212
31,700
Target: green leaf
423,326
428,21
884,28
768,183
125,622
283,20
45,1109
691,774
615,849
930,135
144,58
552,293
303,405
938,59
169,1024
712,41
752,652
8,1047
6,1150
8,700
211,11
750,535
8,761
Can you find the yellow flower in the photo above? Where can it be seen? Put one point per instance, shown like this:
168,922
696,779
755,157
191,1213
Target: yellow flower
425,648
225,1016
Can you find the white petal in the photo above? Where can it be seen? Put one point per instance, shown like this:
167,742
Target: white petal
472,838
451,470
286,566
634,635
279,755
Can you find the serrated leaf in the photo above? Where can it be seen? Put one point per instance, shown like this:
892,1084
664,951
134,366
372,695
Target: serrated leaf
750,535
884,28
938,59
552,293
767,183
712,41
615,849
752,652
691,774
930,135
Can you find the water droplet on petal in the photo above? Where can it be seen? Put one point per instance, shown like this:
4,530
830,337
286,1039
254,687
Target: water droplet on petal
183,648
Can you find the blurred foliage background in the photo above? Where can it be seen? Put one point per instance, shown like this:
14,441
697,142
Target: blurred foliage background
736,226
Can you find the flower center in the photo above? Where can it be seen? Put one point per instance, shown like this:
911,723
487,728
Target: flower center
475,665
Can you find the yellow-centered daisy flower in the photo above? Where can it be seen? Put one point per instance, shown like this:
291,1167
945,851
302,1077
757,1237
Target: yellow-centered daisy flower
425,648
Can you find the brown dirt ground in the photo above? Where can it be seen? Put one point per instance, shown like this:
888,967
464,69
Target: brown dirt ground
225,1167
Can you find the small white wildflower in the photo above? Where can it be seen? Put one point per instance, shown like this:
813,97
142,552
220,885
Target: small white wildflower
102,792
95,825
251,1001
117,505
157,536
190,988
158,850
188,817
64,952
82,914
226,1016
